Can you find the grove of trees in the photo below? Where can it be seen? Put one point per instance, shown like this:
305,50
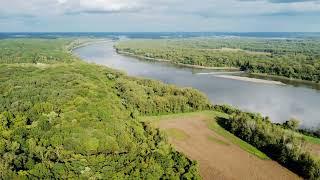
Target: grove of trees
279,141
63,118
291,58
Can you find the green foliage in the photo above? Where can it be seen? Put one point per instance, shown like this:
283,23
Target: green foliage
214,125
153,98
69,119
34,51
291,58
292,124
312,133
283,145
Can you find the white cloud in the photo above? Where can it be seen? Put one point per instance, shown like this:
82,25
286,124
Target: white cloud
109,5
62,1
235,8
209,8
60,7
160,15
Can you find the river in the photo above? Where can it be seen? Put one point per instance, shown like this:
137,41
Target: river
279,102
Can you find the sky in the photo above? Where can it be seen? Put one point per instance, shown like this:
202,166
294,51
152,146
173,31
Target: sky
159,15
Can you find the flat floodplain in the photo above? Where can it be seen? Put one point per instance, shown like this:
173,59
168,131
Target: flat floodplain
217,153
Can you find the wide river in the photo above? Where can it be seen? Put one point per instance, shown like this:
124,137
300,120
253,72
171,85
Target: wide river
278,102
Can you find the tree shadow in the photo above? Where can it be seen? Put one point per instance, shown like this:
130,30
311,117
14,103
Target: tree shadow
222,122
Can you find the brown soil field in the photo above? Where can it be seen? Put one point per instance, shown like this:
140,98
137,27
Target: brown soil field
314,149
218,158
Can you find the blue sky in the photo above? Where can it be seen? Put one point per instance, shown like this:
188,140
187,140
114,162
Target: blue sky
159,15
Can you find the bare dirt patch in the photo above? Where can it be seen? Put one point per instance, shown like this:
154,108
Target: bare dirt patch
218,157
314,149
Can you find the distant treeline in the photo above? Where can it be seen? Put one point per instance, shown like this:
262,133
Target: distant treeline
34,51
280,142
291,58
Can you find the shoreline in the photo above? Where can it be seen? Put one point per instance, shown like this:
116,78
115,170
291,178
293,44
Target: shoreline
180,64
236,70
247,79
85,42
275,79
256,80
283,80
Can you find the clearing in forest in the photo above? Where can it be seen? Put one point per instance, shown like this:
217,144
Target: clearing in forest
219,154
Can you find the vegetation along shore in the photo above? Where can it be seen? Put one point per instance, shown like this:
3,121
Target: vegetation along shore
293,58
61,117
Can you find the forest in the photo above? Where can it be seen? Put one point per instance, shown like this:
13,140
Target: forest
289,58
64,118
281,142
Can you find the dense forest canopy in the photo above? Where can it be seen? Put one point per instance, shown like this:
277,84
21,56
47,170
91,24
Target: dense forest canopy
34,51
291,58
66,119
63,118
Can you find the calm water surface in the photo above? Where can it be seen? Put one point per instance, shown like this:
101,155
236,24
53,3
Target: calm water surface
278,102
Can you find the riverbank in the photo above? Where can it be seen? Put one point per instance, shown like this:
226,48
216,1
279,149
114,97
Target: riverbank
180,64
232,69
254,80
266,77
82,101
268,98
285,80
240,78
79,43
186,77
